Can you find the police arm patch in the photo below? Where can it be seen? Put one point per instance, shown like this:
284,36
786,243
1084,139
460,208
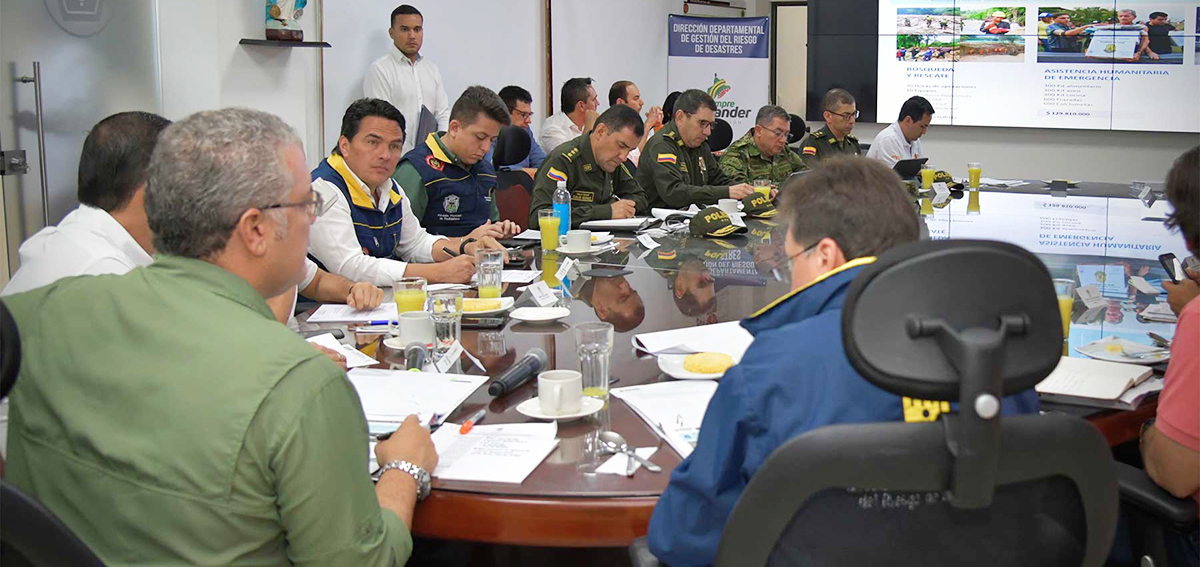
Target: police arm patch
556,174
667,158
809,151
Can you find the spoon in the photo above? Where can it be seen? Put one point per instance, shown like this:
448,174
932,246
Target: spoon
1159,340
614,442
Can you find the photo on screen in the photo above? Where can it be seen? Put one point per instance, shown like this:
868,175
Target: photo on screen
1196,35
993,21
915,48
929,21
1145,35
990,49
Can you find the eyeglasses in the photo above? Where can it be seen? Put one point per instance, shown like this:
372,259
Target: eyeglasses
524,115
845,115
315,205
810,247
777,133
704,124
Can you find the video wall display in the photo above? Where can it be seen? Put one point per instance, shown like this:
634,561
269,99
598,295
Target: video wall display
1128,65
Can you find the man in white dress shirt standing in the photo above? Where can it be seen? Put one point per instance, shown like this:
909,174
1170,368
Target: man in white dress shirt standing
412,83
575,116
902,140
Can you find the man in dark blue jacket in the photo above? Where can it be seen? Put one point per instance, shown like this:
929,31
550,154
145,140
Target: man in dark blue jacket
795,376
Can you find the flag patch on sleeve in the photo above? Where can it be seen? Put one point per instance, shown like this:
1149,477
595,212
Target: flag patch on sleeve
810,151
556,175
666,158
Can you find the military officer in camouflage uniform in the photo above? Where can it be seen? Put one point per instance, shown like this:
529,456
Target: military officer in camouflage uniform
840,112
593,166
763,153
677,168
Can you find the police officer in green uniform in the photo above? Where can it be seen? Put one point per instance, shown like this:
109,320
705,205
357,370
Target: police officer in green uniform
677,168
834,139
593,167
763,153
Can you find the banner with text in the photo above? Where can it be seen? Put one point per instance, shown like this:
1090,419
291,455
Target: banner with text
728,58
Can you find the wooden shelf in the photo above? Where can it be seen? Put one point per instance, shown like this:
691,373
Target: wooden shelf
276,43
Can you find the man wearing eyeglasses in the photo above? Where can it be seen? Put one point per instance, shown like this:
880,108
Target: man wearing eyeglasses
520,114
833,139
677,168
762,153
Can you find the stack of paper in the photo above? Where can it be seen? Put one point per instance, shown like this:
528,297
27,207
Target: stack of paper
493,453
340,313
1095,383
674,410
354,358
1160,312
629,224
729,338
389,396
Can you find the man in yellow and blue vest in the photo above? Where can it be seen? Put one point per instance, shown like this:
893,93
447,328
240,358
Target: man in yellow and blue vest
368,231
450,187
795,376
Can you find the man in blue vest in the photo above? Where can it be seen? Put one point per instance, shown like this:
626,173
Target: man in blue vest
369,232
450,187
795,377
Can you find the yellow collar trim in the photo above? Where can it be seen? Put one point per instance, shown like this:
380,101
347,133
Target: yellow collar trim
358,195
431,142
848,265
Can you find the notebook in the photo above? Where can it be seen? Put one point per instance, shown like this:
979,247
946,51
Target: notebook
1095,383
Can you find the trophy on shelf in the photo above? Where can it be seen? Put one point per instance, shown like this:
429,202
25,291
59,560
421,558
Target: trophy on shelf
283,20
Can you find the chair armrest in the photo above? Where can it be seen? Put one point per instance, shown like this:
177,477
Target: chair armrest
639,553
1139,490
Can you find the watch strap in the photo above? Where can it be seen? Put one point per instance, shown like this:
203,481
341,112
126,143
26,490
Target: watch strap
420,475
462,245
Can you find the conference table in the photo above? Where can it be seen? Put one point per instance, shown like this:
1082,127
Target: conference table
682,283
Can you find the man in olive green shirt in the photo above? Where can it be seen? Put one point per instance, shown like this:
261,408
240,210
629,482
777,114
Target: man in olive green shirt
677,168
593,167
763,153
173,420
834,139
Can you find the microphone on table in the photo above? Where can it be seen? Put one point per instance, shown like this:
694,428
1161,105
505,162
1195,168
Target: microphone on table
415,355
519,373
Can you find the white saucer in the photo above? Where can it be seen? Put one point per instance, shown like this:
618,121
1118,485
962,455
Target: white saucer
533,408
595,249
394,343
539,315
506,303
1096,350
604,238
672,365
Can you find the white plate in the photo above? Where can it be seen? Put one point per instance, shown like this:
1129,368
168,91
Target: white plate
595,249
672,364
1096,350
533,408
601,238
539,315
506,303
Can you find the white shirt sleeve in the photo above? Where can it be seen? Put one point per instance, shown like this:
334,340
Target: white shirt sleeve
332,240
377,84
416,244
441,109
886,148
310,272
554,134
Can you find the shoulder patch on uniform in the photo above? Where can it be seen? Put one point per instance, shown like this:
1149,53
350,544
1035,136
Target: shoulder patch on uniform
670,135
556,174
434,162
570,155
818,134
667,158
809,151
587,167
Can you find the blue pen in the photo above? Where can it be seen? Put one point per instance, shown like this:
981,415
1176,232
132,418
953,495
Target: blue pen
377,323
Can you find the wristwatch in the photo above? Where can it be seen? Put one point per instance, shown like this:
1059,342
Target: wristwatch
462,245
419,474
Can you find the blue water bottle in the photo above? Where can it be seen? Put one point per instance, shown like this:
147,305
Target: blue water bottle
562,207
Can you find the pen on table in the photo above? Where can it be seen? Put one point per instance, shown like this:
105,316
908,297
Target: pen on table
434,423
385,322
470,422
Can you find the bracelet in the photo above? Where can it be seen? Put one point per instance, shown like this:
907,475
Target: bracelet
420,475
462,245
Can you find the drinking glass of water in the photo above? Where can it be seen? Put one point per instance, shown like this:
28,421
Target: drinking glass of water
446,308
594,342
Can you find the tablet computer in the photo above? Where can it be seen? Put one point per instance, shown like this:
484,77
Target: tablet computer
909,167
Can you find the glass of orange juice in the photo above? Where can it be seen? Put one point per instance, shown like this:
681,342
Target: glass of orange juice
1065,290
489,267
409,294
927,174
548,225
973,171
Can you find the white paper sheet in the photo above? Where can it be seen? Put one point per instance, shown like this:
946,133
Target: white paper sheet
1087,378
341,313
674,410
493,453
729,338
615,224
618,463
354,357
389,396
529,234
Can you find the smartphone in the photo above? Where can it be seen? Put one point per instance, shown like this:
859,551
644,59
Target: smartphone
482,322
1171,264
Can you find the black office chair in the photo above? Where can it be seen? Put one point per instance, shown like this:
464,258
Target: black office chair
944,321
797,129
632,167
1151,512
721,137
512,146
30,534
669,106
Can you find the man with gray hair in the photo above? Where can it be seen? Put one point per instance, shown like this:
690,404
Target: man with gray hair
183,424
762,153
840,112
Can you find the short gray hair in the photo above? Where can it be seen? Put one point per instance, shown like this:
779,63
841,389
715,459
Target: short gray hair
770,112
835,98
207,170
1127,11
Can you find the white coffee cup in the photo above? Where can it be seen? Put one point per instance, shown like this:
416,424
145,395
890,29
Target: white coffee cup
416,326
728,205
560,392
577,240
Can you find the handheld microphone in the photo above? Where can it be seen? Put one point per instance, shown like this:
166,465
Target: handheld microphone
415,355
519,373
